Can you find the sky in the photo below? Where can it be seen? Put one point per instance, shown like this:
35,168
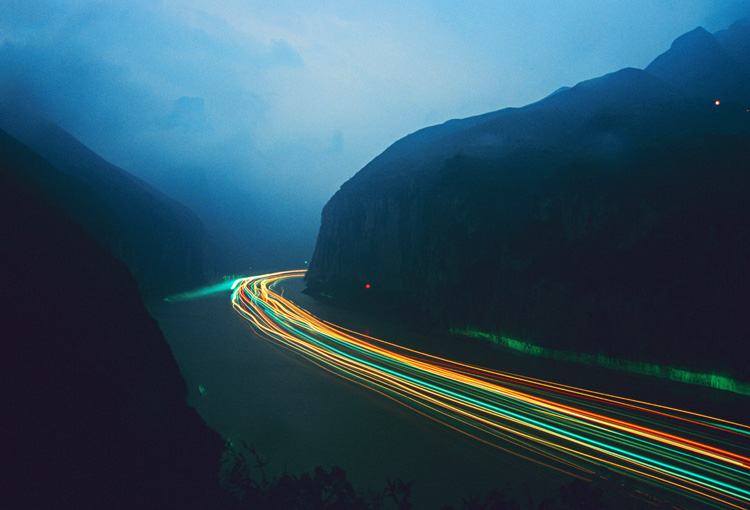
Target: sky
256,112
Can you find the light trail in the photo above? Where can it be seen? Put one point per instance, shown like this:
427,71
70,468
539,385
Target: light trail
569,429
224,286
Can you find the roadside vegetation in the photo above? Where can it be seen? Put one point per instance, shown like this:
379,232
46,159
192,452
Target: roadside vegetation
250,486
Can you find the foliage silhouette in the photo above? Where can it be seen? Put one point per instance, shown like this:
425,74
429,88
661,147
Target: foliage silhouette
323,489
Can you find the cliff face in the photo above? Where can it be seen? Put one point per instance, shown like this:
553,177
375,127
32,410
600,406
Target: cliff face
93,402
606,217
161,241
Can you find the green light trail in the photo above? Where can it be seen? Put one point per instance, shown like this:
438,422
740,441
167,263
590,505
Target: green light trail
715,381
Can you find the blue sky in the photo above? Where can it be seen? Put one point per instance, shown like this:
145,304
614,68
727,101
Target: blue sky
296,96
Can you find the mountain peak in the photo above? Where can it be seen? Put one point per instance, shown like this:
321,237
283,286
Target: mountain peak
701,68
697,37
695,48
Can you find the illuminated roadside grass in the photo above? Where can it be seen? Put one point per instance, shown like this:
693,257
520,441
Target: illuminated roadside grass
715,381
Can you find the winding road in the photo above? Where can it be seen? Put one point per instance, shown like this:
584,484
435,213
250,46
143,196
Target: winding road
586,434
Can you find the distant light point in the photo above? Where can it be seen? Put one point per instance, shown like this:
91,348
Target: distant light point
717,102
367,285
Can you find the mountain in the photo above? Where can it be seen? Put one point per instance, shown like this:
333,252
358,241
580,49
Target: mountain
162,242
607,217
699,66
736,41
94,404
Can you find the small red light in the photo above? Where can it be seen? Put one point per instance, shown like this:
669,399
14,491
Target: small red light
717,103
367,285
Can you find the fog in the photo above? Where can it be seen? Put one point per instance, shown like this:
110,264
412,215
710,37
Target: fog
254,113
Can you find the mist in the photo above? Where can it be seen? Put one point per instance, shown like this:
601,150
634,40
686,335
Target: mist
253,114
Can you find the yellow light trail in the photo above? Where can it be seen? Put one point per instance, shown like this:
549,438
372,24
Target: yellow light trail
565,428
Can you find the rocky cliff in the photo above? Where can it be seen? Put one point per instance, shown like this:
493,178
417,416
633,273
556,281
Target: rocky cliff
607,217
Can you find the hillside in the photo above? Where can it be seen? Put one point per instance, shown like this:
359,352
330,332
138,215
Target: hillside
162,242
608,217
94,409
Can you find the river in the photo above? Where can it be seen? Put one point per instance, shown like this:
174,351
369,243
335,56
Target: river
299,416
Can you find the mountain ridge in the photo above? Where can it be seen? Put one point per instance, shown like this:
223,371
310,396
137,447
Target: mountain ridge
162,242
499,221
96,411
700,67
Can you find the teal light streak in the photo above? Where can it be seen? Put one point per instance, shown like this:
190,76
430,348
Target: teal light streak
607,448
612,450
727,427
203,291
410,382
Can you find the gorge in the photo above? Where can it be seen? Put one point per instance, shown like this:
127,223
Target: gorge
607,218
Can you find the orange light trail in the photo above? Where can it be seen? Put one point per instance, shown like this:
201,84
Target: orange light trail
565,428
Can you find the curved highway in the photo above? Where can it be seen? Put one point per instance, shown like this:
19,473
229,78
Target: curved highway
580,432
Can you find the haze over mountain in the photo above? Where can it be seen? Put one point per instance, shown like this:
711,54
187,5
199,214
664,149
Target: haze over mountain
253,114
163,243
608,217
615,209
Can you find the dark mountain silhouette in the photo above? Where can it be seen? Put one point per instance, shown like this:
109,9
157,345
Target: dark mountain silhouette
162,242
700,67
94,411
736,41
607,217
